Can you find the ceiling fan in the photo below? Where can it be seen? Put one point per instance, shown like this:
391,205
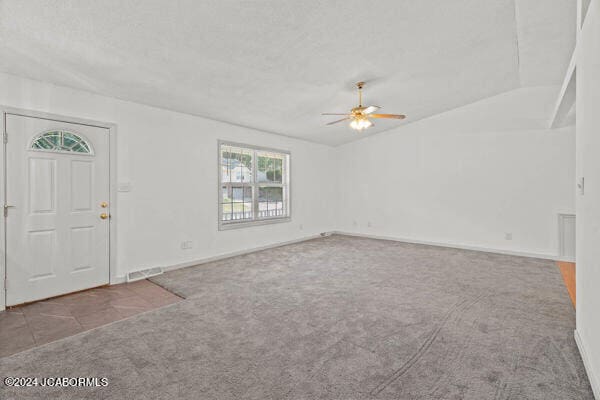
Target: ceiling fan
359,116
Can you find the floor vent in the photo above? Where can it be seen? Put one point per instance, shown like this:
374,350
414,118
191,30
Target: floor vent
143,274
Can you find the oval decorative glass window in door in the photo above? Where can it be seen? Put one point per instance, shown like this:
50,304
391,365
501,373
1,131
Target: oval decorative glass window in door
61,141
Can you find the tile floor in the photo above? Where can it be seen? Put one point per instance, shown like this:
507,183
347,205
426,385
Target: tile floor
31,325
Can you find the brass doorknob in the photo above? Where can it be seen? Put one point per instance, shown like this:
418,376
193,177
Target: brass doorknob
104,204
103,215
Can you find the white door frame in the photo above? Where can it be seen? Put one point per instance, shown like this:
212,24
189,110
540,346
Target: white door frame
112,176
562,217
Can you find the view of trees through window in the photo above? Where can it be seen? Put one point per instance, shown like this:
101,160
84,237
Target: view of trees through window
254,184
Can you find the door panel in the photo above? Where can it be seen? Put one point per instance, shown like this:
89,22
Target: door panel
82,247
56,242
42,185
41,263
81,185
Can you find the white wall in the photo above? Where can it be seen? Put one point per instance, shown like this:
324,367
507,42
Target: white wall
171,161
588,205
465,177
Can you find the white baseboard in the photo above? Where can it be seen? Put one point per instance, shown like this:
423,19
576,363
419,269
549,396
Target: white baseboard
118,279
451,245
566,259
588,367
122,279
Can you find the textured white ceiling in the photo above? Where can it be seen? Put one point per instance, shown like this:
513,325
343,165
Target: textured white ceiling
276,65
546,38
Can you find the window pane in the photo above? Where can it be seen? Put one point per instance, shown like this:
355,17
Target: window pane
278,170
270,202
226,213
237,194
79,148
85,146
236,164
53,138
45,144
241,211
272,193
69,139
225,165
261,169
248,210
270,167
226,194
237,203
248,194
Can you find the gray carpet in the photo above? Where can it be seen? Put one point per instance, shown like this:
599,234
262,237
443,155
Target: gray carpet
334,318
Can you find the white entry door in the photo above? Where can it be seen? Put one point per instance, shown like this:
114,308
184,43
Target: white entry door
57,212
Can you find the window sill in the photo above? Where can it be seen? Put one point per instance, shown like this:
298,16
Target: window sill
225,226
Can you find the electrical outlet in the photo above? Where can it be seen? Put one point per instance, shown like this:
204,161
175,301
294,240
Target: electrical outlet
301,227
186,245
508,236
369,224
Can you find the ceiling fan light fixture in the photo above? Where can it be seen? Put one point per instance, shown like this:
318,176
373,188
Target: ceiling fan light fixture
360,123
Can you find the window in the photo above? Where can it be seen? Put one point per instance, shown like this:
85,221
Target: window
61,141
254,185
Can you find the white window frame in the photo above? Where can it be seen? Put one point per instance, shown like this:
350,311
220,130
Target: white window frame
285,184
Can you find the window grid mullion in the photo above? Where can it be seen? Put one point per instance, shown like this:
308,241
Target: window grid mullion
255,215
243,181
284,182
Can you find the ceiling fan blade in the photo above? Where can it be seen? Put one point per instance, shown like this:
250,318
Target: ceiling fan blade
394,116
370,109
335,122
335,114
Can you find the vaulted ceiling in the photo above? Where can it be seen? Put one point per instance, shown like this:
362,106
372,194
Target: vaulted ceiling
276,65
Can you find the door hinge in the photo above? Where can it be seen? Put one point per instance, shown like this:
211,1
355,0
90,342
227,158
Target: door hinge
5,137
